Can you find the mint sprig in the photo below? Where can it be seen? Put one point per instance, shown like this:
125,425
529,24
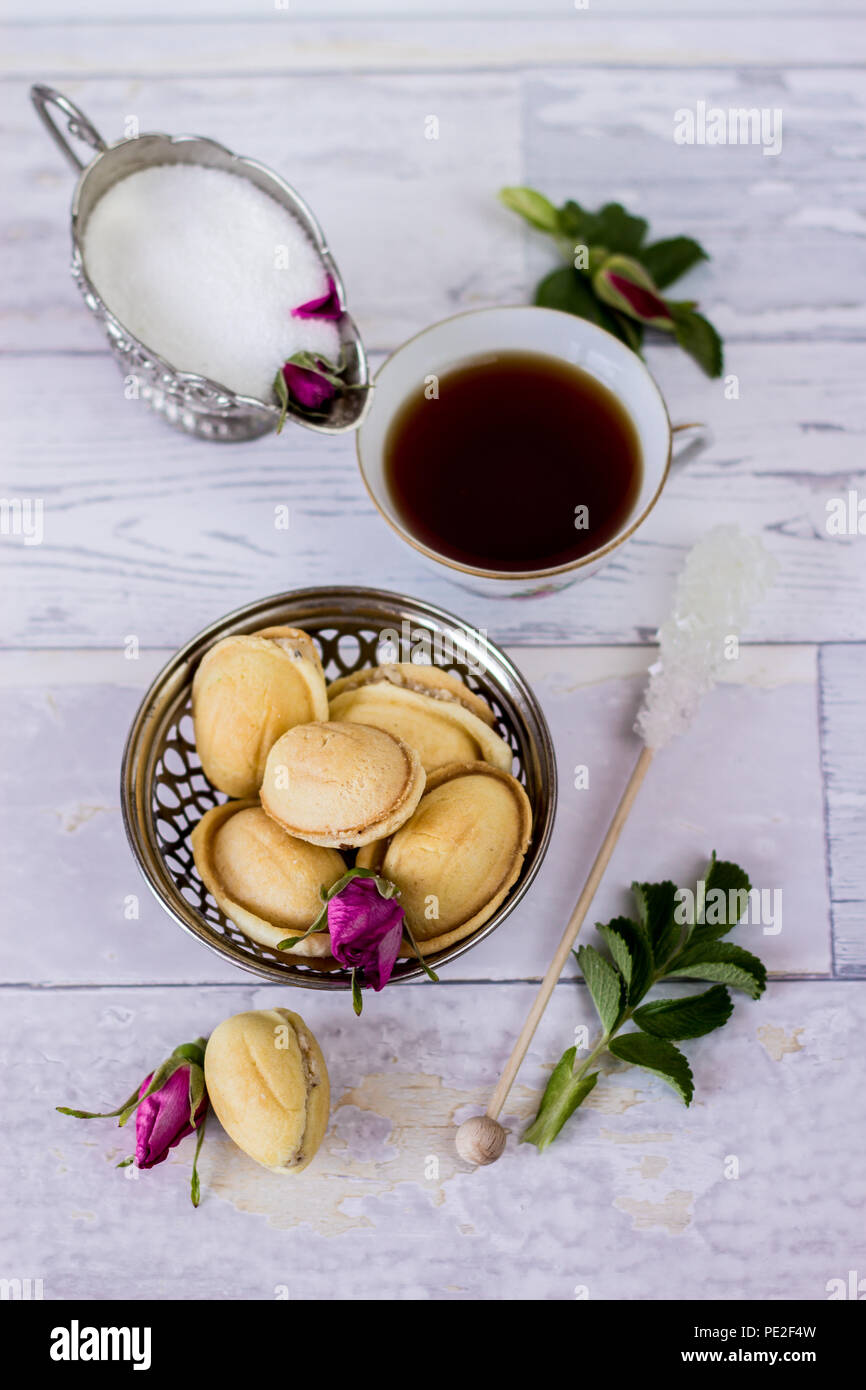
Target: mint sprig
662,943
614,236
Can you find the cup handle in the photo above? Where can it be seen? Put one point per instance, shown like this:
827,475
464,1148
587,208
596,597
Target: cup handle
77,123
689,441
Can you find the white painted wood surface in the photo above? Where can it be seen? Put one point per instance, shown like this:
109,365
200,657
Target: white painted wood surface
150,534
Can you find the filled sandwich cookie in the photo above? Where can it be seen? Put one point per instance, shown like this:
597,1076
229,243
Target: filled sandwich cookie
400,762
265,881
441,731
425,680
247,691
341,785
455,860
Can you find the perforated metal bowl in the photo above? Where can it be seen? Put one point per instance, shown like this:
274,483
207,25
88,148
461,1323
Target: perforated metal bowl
164,791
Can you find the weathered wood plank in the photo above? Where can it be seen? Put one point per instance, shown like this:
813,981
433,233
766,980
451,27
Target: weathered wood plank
415,223
205,12
656,1185
784,231
146,531
412,221
579,37
843,737
746,782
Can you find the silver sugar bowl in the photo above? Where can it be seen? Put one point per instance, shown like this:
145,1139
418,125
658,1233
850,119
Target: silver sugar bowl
190,402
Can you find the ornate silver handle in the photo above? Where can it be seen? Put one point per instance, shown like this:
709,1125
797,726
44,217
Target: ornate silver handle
77,123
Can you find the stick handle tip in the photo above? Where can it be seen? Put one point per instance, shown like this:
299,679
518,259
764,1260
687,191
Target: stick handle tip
481,1140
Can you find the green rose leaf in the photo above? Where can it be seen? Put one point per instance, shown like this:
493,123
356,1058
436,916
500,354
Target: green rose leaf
657,904
357,997
631,292
571,292
566,289
191,1052
658,1056
605,984
629,945
724,897
562,1095
644,952
719,960
629,330
282,394
698,338
537,210
615,228
667,260
572,221
685,1018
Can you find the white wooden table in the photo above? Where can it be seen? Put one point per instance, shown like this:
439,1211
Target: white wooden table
152,535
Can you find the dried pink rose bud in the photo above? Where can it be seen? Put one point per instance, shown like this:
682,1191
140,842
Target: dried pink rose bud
163,1118
366,930
366,926
327,306
307,386
170,1103
309,381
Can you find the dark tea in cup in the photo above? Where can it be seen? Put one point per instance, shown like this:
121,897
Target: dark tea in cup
514,462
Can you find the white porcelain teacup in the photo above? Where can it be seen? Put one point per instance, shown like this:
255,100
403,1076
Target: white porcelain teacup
523,328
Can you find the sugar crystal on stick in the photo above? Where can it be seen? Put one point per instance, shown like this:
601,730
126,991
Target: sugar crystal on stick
724,575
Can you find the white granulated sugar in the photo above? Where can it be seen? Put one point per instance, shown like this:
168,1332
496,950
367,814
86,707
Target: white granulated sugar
724,575
205,269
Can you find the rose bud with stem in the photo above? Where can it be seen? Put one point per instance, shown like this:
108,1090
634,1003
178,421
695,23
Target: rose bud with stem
366,925
169,1104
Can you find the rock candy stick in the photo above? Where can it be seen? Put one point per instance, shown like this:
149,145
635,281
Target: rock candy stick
724,574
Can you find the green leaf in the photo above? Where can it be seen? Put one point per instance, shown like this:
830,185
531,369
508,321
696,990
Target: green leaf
698,338
386,888
533,206
629,330
562,1095
614,228
630,948
605,984
98,1114
428,970
571,292
357,997
719,960
196,1091
686,1018
732,882
667,260
571,221
194,1184
657,905
658,1056
281,391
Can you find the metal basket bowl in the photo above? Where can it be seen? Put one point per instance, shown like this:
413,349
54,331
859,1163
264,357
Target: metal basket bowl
164,791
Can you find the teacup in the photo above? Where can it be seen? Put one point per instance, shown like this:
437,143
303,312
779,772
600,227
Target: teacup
524,329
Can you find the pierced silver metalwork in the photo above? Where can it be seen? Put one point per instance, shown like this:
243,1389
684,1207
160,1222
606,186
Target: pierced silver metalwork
186,400
164,791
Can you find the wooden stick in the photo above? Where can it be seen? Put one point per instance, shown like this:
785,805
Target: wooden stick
482,1139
